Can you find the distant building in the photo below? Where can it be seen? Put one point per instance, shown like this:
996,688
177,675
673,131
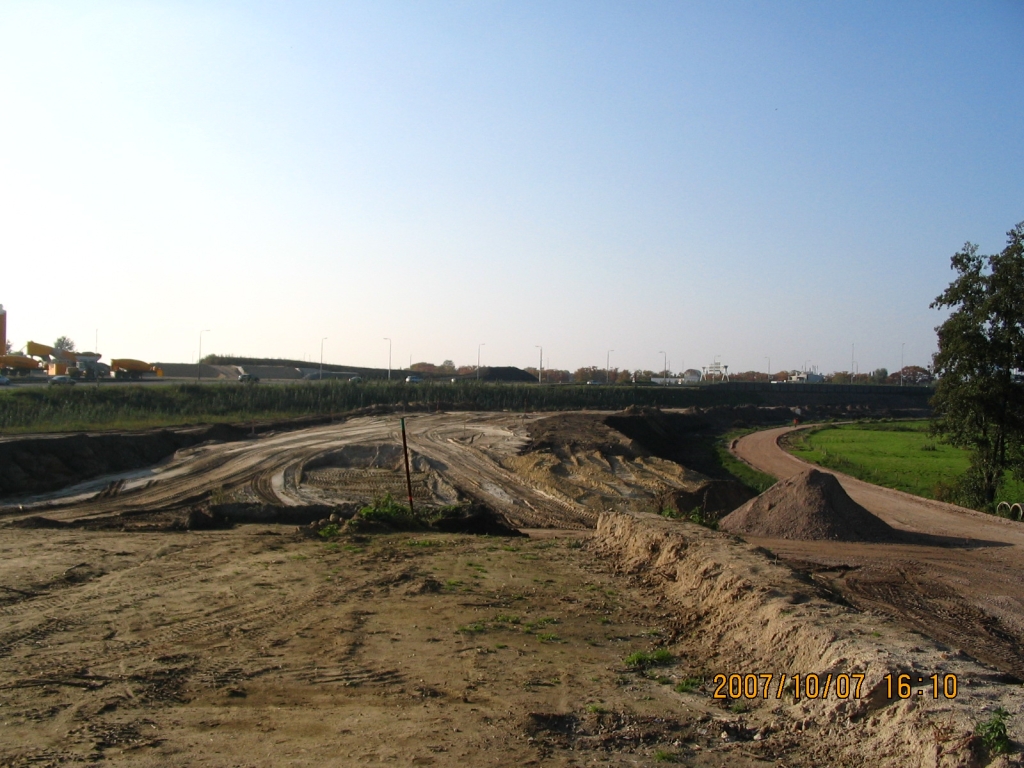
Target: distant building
715,371
691,375
805,377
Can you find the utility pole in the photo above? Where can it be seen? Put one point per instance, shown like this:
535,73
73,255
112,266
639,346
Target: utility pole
199,367
664,364
902,345
482,343
608,366
322,357
389,356
540,370
766,357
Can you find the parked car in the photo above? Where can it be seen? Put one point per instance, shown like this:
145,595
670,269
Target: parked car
356,379
4,381
61,381
248,378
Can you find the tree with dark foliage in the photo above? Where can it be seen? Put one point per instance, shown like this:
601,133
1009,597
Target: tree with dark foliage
979,397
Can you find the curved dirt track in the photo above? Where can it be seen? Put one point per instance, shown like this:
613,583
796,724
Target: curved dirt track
466,449
963,585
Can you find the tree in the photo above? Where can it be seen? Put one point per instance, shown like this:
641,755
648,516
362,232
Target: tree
10,347
64,344
979,397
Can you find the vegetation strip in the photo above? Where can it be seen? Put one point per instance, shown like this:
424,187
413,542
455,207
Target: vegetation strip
902,455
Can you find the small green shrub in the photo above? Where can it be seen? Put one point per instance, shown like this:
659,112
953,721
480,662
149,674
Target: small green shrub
993,733
387,512
664,756
329,531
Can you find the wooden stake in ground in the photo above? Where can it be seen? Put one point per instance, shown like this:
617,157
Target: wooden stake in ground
408,477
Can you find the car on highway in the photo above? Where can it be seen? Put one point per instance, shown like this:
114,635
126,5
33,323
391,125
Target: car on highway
61,381
413,379
4,381
248,378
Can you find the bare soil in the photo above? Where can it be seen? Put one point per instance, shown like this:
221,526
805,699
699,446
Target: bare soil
128,638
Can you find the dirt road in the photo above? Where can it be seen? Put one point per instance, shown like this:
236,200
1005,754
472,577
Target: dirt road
965,588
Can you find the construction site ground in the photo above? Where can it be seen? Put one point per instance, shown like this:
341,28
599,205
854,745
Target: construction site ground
131,635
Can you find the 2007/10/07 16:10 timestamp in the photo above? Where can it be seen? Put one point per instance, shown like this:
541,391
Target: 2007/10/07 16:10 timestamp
842,686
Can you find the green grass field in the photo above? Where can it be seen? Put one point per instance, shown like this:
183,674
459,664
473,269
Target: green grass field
898,455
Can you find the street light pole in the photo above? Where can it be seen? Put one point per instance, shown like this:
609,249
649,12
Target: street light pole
322,357
664,364
389,356
199,367
540,370
608,366
481,344
902,345
768,358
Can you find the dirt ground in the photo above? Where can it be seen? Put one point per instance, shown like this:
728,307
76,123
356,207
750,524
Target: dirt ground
253,647
127,639
962,583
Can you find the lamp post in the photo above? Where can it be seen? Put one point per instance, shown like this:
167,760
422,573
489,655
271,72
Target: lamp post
389,356
540,369
664,364
199,367
322,357
768,358
608,366
481,344
902,345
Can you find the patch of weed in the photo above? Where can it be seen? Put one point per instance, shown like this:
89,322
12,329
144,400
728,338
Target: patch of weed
472,629
689,684
549,637
645,660
330,531
664,756
596,709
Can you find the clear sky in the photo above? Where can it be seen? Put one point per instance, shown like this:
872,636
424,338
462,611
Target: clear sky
739,180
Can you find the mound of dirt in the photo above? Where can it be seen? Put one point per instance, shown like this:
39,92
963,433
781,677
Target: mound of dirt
714,498
809,506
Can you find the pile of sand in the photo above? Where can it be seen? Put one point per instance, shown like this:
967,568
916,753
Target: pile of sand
810,506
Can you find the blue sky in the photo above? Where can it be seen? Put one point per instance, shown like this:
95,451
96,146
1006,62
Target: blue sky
732,180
